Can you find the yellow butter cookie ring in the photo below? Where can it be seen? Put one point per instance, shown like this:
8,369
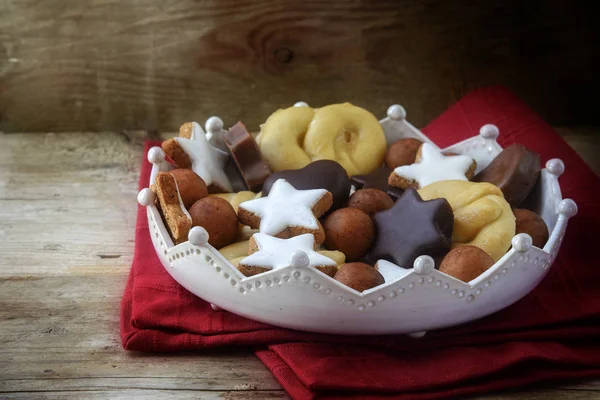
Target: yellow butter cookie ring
482,217
294,137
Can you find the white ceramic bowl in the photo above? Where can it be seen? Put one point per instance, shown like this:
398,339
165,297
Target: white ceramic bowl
303,298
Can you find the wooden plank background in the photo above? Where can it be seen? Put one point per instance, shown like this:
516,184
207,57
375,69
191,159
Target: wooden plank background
109,65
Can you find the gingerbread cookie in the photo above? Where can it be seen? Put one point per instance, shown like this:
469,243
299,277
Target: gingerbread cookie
235,199
411,228
287,212
432,166
178,220
532,224
482,217
322,174
295,137
196,153
247,157
268,252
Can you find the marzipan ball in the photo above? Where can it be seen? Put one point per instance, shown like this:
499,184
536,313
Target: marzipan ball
350,231
219,219
466,262
370,200
402,152
532,224
359,276
191,187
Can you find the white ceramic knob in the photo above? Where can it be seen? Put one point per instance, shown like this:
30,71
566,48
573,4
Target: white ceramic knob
299,259
489,131
145,197
198,236
424,265
396,112
214,307
214,125
555,166
416,335
156,155
522,242
301,104
568,208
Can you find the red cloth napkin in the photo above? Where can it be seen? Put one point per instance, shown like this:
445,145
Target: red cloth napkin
550,334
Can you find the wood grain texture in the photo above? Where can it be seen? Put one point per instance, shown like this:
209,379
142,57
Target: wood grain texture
95,65
67,216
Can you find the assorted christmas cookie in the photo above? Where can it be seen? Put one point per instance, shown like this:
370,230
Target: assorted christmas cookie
196,153
287,212
432,166
295,137
482,217
174,213
322,174
268,252
247,157
412,227
515,171
380,209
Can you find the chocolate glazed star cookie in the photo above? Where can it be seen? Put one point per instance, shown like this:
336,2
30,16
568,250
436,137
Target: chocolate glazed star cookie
411,228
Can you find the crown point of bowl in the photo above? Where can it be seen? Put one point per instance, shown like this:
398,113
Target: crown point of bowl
489,131
213,125
301,104
416,335
396,112
145,197
156,155
522,242
568,208
424,265
299,259
198,236
555,166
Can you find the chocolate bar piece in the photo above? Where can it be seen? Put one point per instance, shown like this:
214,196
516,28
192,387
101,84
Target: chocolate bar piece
247,157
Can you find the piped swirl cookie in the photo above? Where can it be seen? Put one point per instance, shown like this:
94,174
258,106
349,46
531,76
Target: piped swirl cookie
482,217
294,137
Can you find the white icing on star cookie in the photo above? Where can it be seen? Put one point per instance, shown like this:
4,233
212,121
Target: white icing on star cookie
433,166
285,207
276,253
207,162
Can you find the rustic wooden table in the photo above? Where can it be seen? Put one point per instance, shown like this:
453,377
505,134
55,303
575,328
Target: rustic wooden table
67,217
